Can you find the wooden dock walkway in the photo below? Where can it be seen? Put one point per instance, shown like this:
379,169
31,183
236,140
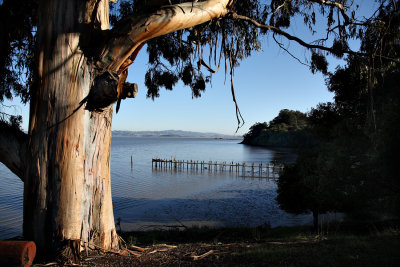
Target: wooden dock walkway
260,170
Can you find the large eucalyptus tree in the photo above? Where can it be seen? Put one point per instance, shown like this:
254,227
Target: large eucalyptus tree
63,58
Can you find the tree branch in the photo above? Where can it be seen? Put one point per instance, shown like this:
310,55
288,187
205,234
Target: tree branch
290,37
13,148
125,38
337,5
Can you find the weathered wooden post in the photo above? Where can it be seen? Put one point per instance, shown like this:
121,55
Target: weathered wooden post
273,170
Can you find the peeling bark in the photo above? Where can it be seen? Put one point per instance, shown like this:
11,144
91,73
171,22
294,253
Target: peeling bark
67,189
67,193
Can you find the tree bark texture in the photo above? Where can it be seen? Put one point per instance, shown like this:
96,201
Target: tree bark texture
64,160
13,149
67,191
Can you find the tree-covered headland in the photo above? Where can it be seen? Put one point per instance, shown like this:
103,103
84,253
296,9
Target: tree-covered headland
288,129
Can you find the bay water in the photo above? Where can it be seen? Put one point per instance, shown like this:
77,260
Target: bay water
148,198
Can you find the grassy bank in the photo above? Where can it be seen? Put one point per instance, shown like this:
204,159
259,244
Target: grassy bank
367,244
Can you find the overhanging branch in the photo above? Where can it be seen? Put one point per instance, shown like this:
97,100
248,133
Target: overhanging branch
13,149
130,34
341,7
290,37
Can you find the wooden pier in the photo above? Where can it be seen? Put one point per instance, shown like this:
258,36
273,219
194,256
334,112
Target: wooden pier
242,169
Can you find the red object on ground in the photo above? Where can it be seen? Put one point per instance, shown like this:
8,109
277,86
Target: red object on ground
17,253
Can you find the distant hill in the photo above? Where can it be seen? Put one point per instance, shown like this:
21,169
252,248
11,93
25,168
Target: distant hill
174,133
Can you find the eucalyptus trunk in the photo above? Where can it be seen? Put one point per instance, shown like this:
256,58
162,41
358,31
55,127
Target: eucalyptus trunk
81,71
67,193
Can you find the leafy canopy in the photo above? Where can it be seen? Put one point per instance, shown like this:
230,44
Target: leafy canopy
194,54
354,160
285,130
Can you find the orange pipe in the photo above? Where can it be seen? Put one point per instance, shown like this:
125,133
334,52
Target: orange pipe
17,253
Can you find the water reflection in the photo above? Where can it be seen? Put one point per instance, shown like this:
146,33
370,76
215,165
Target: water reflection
11,194
278,155
145,197
253,206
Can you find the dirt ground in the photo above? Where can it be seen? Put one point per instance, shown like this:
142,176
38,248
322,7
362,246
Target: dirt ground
199,254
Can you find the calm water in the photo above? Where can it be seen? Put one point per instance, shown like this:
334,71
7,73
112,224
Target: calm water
145,198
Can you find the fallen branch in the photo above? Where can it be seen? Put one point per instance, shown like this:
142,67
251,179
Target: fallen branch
134,253
93,258
195,258
126,252
131,247
120,253
47,264
167,246
162,248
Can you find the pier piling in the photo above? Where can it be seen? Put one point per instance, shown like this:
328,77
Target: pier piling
268,170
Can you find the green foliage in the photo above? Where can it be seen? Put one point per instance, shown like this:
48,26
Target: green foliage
319,63
17,43
285,130
357,136
289,120
177,56
307,186
181,52
180,55
255,130
12,123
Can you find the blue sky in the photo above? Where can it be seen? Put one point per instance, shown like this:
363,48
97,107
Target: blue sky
265,83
